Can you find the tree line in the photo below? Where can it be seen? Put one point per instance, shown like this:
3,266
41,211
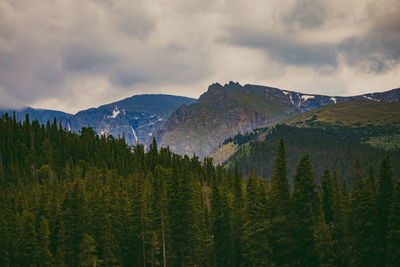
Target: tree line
82,200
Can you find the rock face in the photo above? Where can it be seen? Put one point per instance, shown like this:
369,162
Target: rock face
224,111
136,118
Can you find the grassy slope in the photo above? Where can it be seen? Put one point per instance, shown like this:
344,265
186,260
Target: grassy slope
352,114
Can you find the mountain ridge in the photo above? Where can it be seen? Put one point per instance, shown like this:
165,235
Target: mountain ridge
135,118
224,111
41,115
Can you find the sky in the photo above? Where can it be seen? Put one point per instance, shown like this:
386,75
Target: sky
71,55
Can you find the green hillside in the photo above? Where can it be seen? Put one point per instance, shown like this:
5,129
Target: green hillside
328,148
352,114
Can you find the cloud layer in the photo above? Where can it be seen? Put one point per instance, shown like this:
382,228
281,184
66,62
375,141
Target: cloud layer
71,55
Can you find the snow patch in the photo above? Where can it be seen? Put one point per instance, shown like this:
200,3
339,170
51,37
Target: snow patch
291,99
123,111
334,99
134,134
306,97
150,134
115,113
298,96
290,96
370,98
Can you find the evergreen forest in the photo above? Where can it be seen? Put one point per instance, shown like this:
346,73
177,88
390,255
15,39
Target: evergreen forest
71,199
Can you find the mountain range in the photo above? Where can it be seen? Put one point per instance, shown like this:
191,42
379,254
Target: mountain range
190,126
136,118
224,111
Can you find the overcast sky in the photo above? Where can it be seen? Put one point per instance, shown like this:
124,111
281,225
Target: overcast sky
75,54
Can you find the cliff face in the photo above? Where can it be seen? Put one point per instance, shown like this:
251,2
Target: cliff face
221,112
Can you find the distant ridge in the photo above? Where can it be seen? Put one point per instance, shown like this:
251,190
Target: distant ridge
41,115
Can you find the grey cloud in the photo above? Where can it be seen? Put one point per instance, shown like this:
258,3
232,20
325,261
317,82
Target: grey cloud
378,50
307,14
80,58
284,49
83,50
373,49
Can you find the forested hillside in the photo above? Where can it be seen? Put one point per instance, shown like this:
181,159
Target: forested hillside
84,200
333,148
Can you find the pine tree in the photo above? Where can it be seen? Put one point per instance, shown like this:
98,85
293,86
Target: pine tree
393,237
384,203
27,247
327,197
356,216
87,252
61,246
237,216
222,228
279,196
5,243
324,243
45,258
160,212
369,230
338,226
257,250
279,192
74,212
305,208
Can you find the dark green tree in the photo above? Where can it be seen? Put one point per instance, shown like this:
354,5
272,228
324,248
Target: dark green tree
384,204
305,210
87,252
222,227
393,237
27,247
279,196
257,250
45,258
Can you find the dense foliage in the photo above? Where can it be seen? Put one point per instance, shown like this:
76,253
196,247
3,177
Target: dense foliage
83,200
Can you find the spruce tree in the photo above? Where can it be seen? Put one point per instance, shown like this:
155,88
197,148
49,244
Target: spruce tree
27,247
237,216
87,256
222,227
279,196
45,258
327,197
384,203
393,237
257,250
338,226
305,209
